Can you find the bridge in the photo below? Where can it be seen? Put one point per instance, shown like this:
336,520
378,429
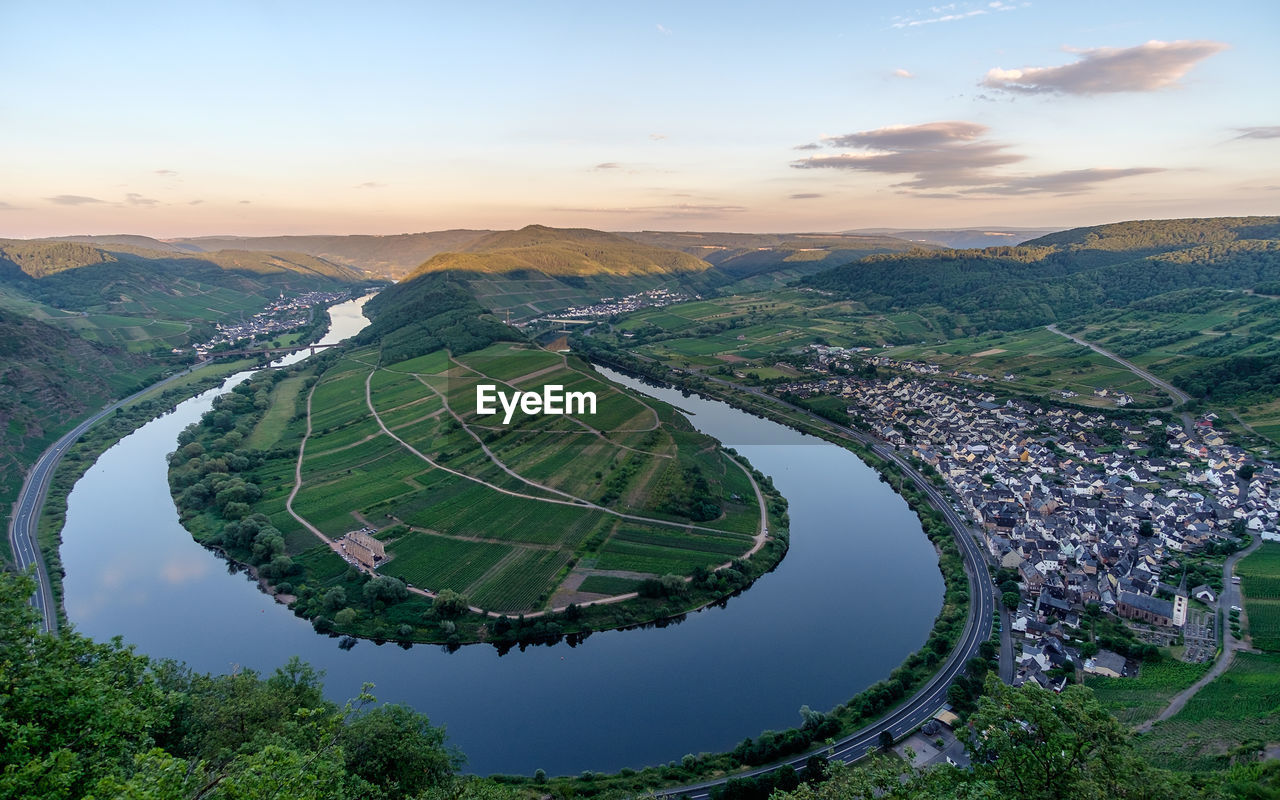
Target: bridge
263,351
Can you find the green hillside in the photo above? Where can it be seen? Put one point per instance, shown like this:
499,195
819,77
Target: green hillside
82,324
1066,274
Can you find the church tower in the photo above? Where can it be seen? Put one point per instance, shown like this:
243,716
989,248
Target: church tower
1180,603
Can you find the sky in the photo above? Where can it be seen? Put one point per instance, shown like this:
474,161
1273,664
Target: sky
198,118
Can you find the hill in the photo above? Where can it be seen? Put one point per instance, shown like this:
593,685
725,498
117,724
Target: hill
1065,274
124,278
562,252
759,261
390,256
963,238
538,270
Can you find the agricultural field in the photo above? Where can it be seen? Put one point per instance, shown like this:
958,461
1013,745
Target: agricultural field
500,513
1237,713
745,335
1136,700
1260,584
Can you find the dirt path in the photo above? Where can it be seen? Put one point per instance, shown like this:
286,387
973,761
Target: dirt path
297,481
576,502
1230,596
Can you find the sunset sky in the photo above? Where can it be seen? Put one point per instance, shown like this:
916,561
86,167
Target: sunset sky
180,119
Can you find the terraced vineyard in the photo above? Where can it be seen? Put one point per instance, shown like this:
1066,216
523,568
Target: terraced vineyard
1239,707
1260,581
503,514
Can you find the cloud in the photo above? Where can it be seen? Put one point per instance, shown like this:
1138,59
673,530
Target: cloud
195,202
902,73
1145,68
166,172
657,137
135,199
663,29
607,165
9,206
1072,181
370,185
245,202
954,156
938,153
951,12
1261,132
805,196
72,200
809,146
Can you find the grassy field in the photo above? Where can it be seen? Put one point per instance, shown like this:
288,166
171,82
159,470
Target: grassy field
747,334
1136,700
1240,711
506,525
1260,583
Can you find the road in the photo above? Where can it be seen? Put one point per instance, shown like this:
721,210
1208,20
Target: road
1179,397
1230,597
25,522
927,700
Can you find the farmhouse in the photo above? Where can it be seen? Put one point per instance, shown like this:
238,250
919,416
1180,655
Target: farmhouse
366,550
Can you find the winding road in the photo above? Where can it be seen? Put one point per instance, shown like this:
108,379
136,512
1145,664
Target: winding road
1179,397
983,604
25,523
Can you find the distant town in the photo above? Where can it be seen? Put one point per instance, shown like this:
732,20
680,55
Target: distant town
610,306
283,316
1089,510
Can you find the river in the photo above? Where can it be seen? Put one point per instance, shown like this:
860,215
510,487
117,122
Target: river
856,593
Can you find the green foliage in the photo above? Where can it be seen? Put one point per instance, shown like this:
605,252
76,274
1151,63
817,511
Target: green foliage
427,313
83,719
1066,274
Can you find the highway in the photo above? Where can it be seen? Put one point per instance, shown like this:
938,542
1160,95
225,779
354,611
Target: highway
25,522
983,604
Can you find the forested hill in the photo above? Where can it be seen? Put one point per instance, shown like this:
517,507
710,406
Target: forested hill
80,276
426,313
563,252
1065,274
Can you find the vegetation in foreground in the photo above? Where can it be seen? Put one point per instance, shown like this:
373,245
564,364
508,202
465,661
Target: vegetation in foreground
154,730
85,719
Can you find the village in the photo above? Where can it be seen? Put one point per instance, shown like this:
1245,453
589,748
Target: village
1094,514
286,314
611,306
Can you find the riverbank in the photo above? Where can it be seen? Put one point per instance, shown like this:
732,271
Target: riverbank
161,398
761,757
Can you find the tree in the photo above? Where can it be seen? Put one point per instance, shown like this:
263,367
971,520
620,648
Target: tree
1010,600
396,748
385,589
1246,472
449,604
1039,744
886,740
1146,529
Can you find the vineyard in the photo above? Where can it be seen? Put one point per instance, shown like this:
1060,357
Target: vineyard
1260,583
1242,706
480,508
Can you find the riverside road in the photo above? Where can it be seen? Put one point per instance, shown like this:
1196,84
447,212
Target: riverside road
924,703
25,522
